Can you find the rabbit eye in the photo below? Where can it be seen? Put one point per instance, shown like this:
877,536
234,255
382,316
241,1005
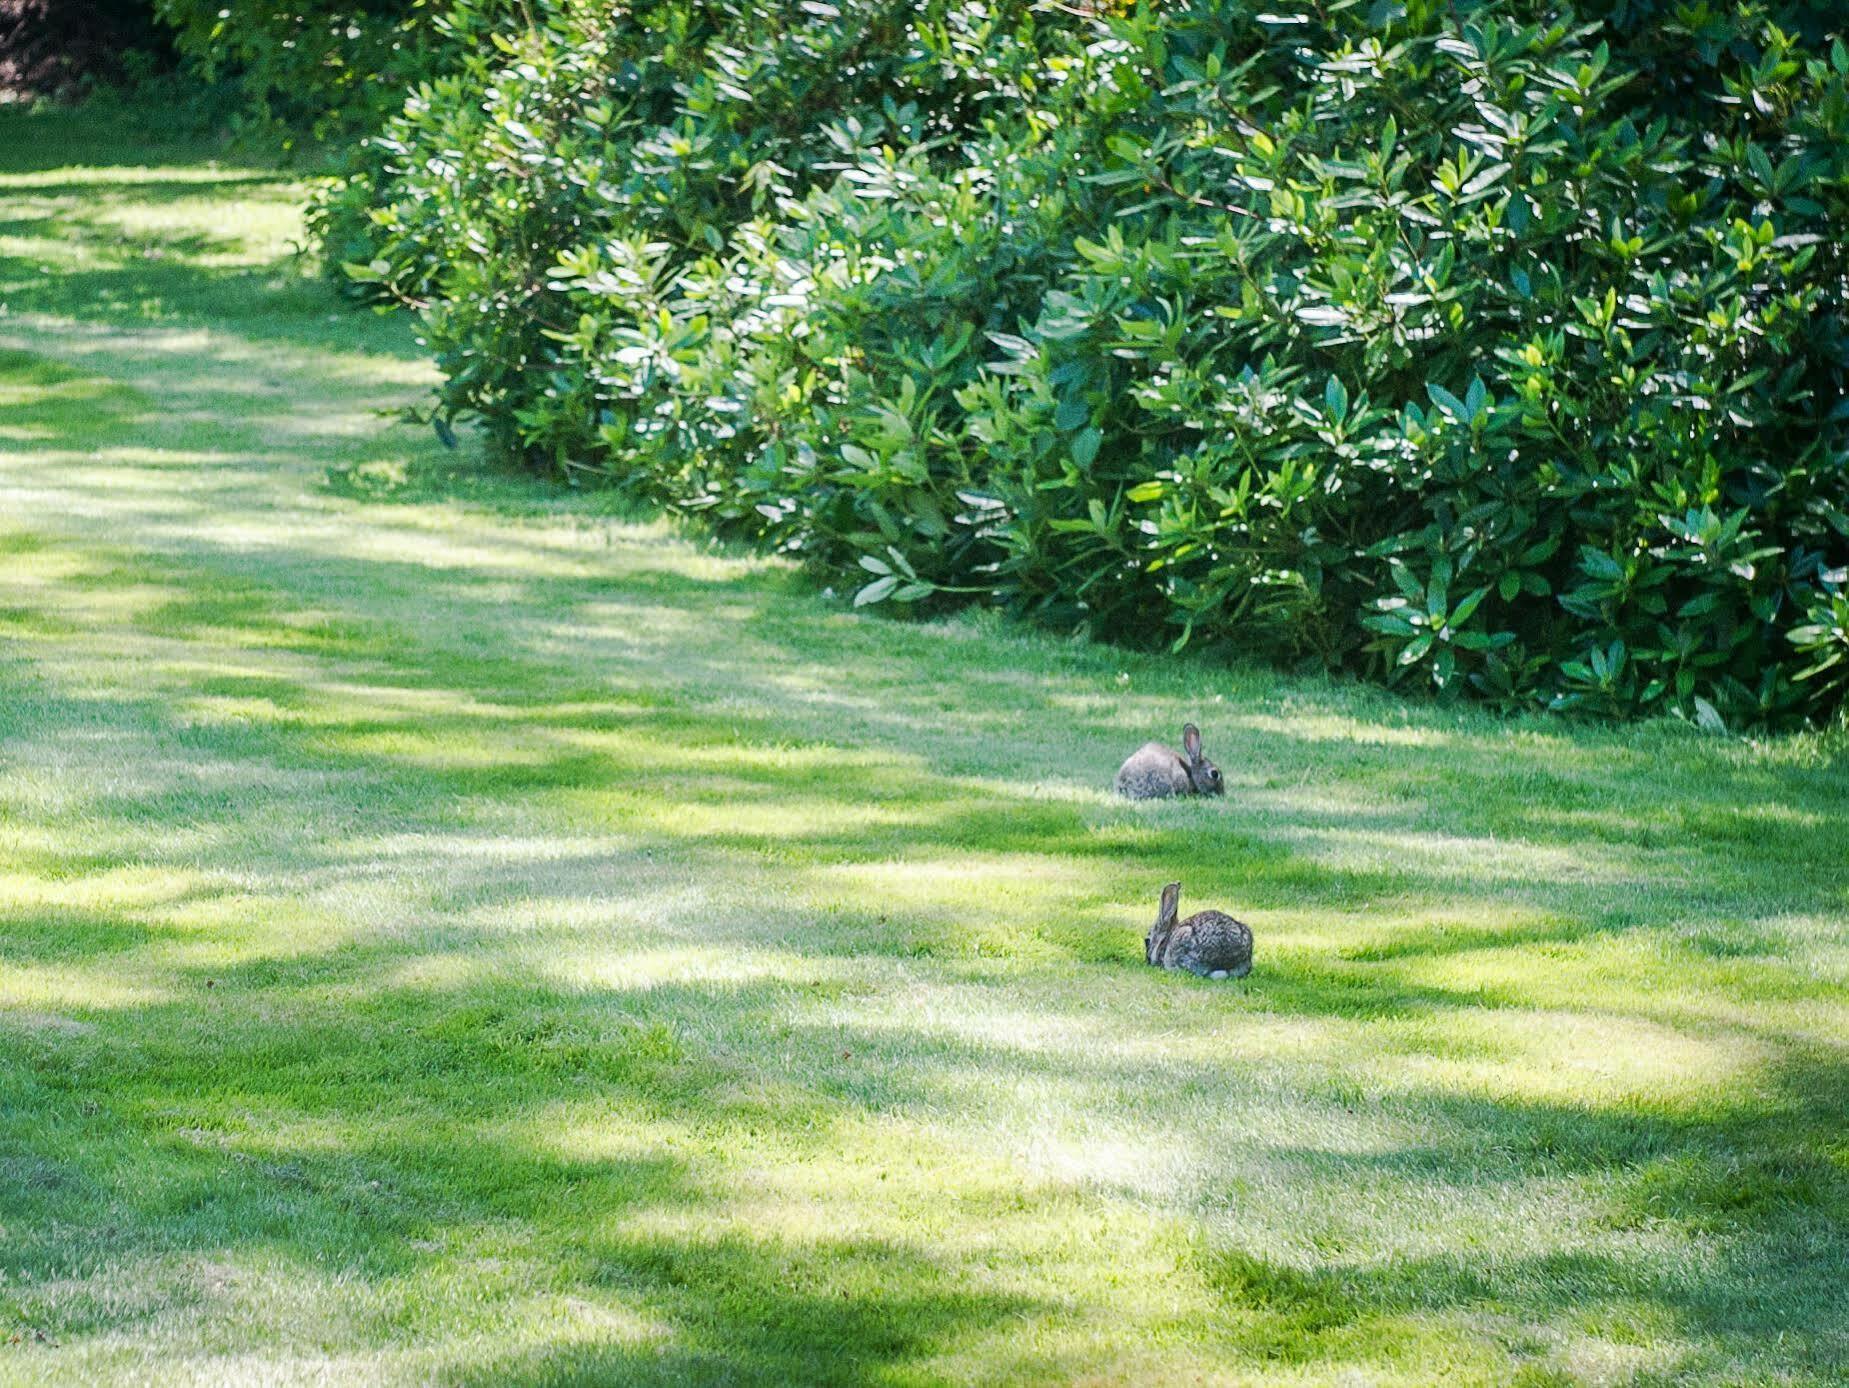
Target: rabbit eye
1215,774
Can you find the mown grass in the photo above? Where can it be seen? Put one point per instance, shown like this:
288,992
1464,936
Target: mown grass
452,933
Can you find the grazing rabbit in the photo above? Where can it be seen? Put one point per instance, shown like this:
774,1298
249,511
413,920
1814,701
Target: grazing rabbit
1154,770
1209,943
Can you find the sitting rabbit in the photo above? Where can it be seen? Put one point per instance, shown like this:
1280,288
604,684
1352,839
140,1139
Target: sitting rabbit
1154,770
1209,943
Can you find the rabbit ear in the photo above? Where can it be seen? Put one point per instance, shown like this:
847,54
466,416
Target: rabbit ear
1191,742
1171,895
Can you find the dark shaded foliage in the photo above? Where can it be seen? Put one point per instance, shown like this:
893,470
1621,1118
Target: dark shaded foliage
333,67
51,47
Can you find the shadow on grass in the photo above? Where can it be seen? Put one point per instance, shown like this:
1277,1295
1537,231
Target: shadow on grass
435,1114
431,1103
108,134
1755,1192
434,1121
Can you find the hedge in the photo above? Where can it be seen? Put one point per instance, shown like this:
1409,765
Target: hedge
1490,348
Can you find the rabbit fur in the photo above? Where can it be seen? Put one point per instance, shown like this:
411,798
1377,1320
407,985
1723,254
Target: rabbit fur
1209,943
1155,770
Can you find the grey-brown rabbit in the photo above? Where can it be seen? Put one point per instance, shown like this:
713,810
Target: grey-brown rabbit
1155,770
1209,943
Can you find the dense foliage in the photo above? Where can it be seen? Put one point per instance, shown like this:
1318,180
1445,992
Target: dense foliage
1481,346
333,67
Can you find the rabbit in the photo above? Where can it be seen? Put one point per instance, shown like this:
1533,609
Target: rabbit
1209,943
1154,770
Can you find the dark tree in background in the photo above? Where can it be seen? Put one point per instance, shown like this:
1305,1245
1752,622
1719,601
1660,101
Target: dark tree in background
49,47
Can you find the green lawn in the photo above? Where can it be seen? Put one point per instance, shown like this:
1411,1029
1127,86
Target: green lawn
451,932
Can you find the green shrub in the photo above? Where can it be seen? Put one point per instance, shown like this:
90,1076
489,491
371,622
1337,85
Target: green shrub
1480,347
331,67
